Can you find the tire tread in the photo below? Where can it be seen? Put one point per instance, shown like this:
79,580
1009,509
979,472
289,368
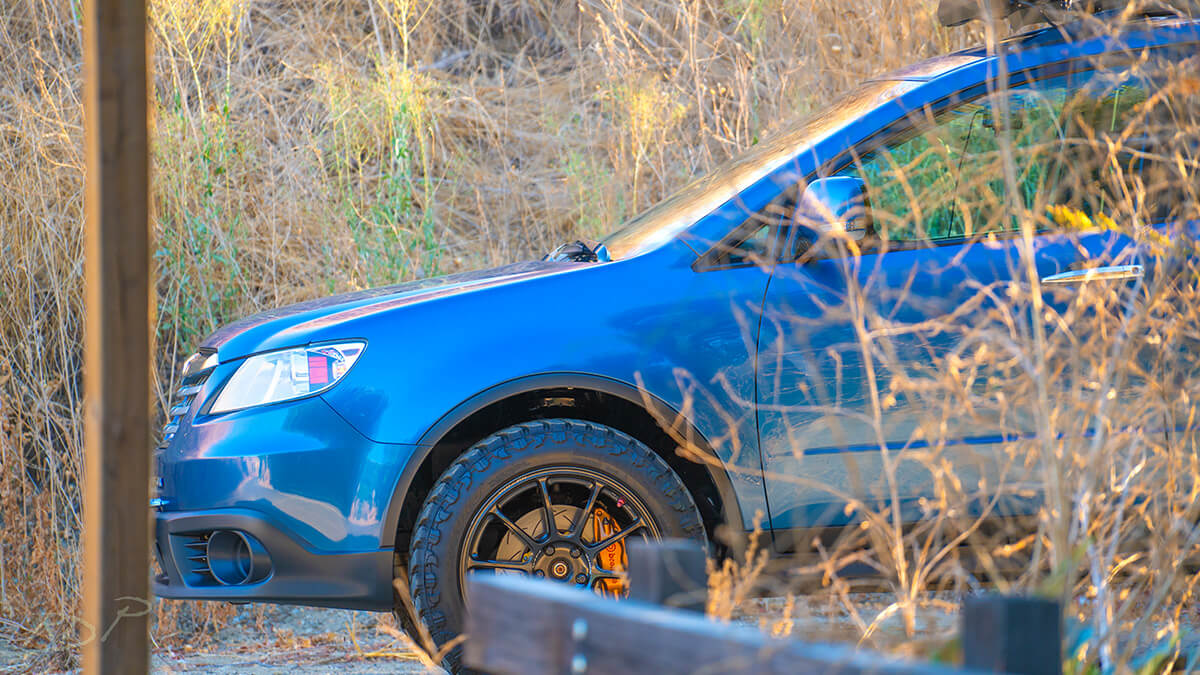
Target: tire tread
459,480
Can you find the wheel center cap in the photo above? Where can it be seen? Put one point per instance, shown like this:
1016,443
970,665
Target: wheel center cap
559,569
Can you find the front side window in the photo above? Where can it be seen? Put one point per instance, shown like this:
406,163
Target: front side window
1077,145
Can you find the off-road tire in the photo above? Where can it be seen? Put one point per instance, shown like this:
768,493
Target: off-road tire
468,483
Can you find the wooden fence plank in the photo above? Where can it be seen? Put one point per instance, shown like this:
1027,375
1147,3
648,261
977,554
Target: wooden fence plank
520,626
116,533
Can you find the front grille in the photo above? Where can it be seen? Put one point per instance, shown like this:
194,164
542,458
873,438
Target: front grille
184,399
181,402
192,557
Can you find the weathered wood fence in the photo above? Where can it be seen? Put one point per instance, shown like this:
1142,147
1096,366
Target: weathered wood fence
521,626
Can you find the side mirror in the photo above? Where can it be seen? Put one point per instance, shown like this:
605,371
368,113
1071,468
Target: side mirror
832,207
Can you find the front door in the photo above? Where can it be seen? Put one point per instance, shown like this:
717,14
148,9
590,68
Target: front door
884,366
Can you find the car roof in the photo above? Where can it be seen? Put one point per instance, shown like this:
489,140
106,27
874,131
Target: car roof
923,71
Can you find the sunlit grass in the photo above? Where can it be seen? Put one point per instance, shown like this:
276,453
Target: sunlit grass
302,149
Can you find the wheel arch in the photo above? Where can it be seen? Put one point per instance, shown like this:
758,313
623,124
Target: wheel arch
575,395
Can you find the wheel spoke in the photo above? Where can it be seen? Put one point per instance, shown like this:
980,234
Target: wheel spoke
568,520
521,534
581,522
609,541
512,565
547,510
599,574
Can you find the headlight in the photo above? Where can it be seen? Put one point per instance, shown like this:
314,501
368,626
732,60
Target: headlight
287,374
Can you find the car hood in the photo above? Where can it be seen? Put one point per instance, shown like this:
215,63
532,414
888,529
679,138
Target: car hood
296,324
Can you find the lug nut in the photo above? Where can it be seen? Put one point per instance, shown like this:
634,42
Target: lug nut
550,550
539,574
580,578
574,552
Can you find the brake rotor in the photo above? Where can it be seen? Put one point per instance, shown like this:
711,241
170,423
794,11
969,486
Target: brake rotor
511,547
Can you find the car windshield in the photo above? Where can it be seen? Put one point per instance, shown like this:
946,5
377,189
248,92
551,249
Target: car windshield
666,219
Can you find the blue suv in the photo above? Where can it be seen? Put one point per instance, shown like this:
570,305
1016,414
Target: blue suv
675,379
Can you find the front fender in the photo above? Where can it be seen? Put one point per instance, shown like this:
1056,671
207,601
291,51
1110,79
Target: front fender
687,337
655,405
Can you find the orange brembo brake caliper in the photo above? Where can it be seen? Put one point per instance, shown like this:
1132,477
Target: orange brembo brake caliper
612,558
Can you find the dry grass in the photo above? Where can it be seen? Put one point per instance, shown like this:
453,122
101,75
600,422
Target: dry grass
304,148
1097,392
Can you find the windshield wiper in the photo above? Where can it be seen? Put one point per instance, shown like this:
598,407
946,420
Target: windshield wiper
580,250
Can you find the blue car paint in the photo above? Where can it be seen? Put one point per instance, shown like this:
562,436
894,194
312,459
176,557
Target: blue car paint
816,404
329,471
271,471
387,398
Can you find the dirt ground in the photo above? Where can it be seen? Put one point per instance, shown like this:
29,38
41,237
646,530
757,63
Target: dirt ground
297,640
278,639
304,641
823,618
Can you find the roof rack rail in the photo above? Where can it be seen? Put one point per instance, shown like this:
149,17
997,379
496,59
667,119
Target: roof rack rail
1025,12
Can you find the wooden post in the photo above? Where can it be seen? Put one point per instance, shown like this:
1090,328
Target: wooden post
671,573
116,532
1012,634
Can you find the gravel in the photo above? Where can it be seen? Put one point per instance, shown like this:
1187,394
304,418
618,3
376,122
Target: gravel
300,641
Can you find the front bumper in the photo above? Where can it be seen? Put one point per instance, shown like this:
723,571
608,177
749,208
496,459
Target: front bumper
359,580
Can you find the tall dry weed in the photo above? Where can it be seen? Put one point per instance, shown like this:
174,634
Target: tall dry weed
1081,397
305,148
302,149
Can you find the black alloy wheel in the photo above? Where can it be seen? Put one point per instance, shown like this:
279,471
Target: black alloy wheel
566,524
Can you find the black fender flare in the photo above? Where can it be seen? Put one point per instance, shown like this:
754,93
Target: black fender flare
657,408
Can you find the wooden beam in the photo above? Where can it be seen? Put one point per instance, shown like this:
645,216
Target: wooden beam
118,301
521,626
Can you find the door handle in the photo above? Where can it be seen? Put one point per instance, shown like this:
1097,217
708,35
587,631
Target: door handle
1111,273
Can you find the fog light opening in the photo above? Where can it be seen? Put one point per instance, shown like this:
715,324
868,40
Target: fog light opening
236,558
